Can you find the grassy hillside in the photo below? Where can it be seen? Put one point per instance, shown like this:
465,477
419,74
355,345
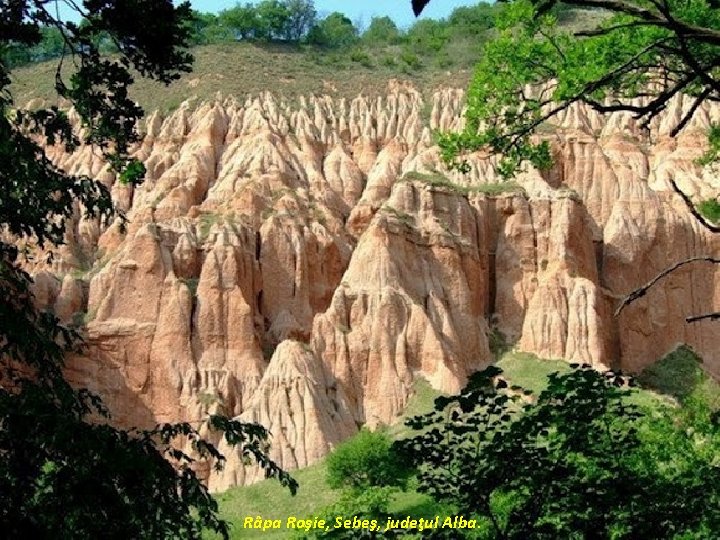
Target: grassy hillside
271,501
675,377
242,68
239,69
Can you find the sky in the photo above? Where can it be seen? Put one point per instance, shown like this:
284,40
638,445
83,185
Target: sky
398,10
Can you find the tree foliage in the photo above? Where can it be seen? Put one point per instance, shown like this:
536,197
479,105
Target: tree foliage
64,470
242,19
274,19
381,30
370,472
287,20
471,19
296,22
335,31
581,461
302,18
535,69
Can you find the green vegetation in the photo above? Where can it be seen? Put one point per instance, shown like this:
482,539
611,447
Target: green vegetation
191,284
713,153
403,217
421,400
272,501
336,31
498,343
579,461
314,498
207,220
680,375
529,371
569,411
710,209
233,59
441,181
366,461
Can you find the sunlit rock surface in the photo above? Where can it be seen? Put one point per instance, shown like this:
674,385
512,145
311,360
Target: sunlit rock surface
279,266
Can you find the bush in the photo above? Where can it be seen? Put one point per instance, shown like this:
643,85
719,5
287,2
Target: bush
366,460
428,36
362,58
470,21
371,504
710,209
411,60
388,61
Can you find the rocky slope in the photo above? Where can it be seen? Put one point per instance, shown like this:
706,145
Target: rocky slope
300,264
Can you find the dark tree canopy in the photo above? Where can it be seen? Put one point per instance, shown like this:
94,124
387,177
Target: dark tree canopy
63,472
580,461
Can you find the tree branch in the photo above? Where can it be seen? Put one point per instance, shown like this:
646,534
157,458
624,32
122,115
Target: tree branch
604,31
642,291
590,87
697,215
708,316
698,101
698,33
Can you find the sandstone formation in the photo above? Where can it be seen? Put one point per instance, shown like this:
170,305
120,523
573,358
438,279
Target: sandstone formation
281,265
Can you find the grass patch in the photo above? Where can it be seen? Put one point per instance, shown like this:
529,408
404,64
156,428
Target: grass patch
434,179
710,210
422,398
438,180
239,69
498,188
206,222
402,217
680,376
272,501
529,371
192,284
421,401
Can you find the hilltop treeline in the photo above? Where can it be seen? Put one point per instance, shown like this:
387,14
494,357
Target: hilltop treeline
297,22
333,39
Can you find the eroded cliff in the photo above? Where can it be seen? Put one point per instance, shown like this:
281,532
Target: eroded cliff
300,264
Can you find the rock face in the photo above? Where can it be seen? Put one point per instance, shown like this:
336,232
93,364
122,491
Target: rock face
283,266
